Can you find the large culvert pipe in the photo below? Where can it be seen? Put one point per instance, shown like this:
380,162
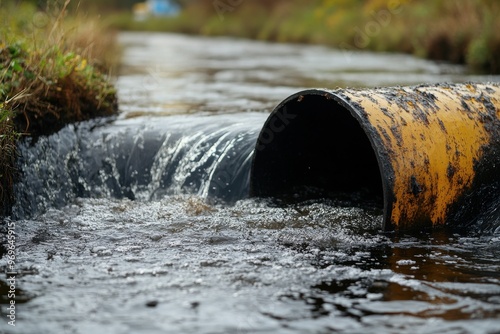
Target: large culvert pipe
427,155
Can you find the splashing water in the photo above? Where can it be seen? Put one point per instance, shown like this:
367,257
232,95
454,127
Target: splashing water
209,156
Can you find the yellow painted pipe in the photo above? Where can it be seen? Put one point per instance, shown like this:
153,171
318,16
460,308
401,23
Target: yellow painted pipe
427,155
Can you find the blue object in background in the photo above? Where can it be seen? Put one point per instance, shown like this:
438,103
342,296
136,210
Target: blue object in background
163,7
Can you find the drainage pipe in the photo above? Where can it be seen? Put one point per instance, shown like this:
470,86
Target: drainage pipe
427,155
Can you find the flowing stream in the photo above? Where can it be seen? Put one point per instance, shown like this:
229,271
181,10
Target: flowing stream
142,223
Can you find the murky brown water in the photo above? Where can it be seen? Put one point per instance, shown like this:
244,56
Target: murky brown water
174,260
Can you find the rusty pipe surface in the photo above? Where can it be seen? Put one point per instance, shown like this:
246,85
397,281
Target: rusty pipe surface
427,155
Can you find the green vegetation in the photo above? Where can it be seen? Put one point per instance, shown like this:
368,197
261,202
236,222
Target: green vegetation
51,74
462,32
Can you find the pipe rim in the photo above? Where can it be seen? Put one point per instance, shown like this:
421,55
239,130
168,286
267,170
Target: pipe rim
377,147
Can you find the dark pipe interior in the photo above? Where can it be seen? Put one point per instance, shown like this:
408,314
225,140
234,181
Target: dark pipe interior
315,149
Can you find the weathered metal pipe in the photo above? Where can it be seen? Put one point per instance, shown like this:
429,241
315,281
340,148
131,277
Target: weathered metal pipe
428,155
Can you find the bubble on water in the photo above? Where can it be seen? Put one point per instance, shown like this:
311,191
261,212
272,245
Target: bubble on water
405,262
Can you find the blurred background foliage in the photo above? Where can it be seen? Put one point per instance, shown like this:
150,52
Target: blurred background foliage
464,31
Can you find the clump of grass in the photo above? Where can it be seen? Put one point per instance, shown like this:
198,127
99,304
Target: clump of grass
58,88
51,74
59,77
8,138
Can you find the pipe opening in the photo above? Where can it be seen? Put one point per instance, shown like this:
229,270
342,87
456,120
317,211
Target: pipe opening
311,147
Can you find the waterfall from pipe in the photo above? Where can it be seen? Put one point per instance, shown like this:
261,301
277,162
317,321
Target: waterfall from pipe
208,156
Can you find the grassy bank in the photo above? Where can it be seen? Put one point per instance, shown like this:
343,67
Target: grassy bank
53,71
464,32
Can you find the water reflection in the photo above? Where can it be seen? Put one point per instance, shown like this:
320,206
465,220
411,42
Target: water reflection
427,278
167,73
